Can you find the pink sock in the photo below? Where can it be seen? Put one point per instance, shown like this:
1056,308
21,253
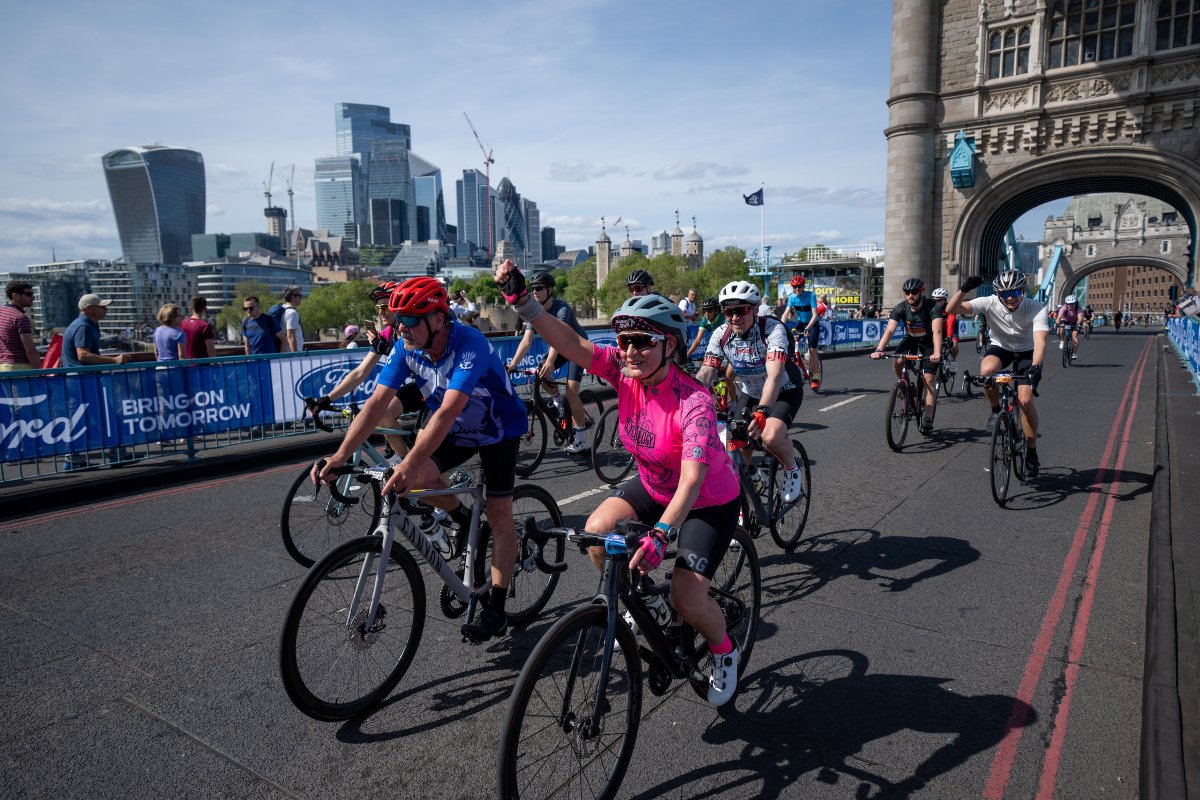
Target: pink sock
726,646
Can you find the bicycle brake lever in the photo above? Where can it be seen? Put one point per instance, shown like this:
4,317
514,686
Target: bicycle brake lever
333,490
539,538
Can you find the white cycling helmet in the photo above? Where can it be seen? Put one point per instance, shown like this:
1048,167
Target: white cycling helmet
1071,300
940,294
741,292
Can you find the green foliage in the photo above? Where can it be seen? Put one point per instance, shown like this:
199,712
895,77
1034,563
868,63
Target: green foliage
672,276
335,305
231,315
580,290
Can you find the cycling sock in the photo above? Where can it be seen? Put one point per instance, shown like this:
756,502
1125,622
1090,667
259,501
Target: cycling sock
995,409
726,646
497,597
461,516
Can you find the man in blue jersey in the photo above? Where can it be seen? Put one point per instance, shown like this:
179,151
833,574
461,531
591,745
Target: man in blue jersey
474,410
803,306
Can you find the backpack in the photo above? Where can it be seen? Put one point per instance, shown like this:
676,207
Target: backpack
792,370
276,313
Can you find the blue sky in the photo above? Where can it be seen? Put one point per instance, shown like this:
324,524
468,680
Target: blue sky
592,109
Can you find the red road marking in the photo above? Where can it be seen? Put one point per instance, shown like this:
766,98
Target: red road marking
1006,754
87,509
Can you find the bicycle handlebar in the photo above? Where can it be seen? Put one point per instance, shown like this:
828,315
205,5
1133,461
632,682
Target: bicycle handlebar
316,408
990,381
540,538
348,469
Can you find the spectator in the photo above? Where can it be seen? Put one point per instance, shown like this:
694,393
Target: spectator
17,350
870,310
294,336
170,342
463,308
764,307
201,341
260,334
81,340
348,337
687,306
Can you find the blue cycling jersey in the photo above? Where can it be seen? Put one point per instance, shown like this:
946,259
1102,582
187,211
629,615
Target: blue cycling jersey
802,305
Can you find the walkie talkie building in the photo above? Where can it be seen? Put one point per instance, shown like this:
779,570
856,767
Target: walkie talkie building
158,199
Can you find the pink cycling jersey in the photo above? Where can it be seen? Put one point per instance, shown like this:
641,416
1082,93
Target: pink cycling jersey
1067,316
664,424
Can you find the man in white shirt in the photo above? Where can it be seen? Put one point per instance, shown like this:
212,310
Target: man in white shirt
294,341
688,306
463,308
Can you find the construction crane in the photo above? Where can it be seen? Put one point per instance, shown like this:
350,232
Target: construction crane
267,184
487,171
292,211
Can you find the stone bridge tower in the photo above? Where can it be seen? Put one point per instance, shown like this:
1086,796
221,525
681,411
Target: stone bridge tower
1053,99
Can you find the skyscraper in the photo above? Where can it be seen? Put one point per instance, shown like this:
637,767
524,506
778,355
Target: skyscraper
513,229
549,247
472,195
533,231
431,205
341,195
359,126
390,193
158,199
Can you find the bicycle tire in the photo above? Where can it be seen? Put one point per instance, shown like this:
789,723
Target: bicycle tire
316,629
897,416
749,520
787,529
947,379
610,460
737,576
1001,459
532,447
531,588
1066,352
538,739
312,522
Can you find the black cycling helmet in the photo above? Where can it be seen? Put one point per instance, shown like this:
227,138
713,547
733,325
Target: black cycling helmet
640,276
710,304
914,285
541,278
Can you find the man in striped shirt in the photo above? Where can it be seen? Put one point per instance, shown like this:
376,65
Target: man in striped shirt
17,350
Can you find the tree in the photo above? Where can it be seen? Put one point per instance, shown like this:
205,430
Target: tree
231,315
721,267
335,305
580,290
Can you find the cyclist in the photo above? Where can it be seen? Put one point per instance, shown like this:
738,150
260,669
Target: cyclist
707,322
475,410
982,332
685,485
541,288
768,382
1019,329
639,282
803,305
949,328
1069,314
923,319
1088,315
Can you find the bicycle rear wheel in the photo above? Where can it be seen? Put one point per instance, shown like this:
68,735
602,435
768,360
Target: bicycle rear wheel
332,666
737,588
1001,458
897,416
611,461
312,522
548,746
531,588
532,446
946,378
788,519
1066,352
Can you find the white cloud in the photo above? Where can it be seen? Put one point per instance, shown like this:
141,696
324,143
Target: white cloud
579,171
694,170
214,210
827,236
43,208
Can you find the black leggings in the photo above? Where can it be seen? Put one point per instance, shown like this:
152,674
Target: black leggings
703,537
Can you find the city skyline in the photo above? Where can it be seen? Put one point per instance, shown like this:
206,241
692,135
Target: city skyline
626,111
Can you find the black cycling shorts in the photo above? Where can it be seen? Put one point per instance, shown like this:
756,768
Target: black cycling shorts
498,462
914,347
411,399
703,537
785,407
574,371
1018,361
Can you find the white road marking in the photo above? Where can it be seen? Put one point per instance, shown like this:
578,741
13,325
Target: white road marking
581,495
835,405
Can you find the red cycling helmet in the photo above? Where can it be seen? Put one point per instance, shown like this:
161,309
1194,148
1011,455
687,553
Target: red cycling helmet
797,281
420,296
380,294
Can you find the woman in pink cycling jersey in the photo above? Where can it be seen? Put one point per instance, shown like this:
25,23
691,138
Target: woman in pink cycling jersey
685,486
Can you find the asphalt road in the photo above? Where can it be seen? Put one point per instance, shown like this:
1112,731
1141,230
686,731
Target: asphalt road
921,642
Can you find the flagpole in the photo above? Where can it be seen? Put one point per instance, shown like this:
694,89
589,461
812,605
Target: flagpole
762,236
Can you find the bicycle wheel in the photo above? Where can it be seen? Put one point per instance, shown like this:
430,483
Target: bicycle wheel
548,745
981,343
1066,352
1001,458
897,416
332,667
611,461
531,588
313,522
788,519
946,378
737,588
533,442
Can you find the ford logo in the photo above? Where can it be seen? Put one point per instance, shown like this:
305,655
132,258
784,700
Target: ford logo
325,378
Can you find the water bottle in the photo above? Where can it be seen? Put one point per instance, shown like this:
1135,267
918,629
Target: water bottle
434,527
660,606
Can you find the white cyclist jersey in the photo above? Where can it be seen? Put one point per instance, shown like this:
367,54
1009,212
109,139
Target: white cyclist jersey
1012,330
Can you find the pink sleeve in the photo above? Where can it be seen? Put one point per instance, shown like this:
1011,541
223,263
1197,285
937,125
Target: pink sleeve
698,427
606,363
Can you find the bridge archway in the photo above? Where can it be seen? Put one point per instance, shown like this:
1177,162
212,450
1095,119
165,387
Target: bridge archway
1071,281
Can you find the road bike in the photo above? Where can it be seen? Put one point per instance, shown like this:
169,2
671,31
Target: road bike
982,339
1087,329
356,620
573,716
761,479
1006,457
907,401
1067,343
543,415
944,378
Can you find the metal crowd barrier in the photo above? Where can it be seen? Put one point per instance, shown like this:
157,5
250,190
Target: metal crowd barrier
1184,333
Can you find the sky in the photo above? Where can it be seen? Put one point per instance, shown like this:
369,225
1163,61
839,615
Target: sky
592,109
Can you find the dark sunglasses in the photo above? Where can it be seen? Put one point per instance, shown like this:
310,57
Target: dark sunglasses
410,320
914,293
539,288
248,309
27,294
640,341
1011,294
736,311
637,287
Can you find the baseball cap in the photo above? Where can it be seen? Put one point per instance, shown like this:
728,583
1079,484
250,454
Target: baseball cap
92,300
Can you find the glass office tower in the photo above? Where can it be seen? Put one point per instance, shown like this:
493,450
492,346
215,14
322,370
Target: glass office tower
472,193
391,195
359,126
341,195
158,199
431,205
514,219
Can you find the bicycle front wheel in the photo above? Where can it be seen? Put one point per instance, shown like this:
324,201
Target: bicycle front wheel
333,666
1066,352
313,522
531,588
737,588
610,459
788,519
897,417
549,745
946,378
532,446
1001,458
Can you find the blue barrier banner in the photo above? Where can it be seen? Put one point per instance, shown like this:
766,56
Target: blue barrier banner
1185,334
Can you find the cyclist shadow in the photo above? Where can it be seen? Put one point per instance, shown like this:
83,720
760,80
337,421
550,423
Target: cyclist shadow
829,556
1081,365
814,713
1055,484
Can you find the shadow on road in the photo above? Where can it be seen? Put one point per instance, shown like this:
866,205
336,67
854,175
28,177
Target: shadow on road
1055,484
815,713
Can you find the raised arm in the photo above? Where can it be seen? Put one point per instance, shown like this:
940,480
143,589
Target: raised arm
557,333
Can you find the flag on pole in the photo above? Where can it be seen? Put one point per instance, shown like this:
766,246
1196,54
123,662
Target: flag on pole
755,199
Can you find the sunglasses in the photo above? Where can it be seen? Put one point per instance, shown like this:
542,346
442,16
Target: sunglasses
27,294
637,287
248,309
914,294
1011,295
640,341
410,320
736,311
